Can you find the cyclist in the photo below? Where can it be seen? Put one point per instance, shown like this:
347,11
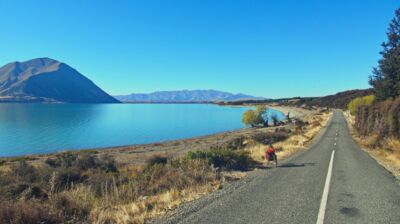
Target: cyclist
270,155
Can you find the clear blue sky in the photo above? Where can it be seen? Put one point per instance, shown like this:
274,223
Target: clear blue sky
264,48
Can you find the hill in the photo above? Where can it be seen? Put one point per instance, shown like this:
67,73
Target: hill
48,80
339,100
184,96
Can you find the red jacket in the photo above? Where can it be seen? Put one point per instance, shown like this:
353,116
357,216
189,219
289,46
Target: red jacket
269,151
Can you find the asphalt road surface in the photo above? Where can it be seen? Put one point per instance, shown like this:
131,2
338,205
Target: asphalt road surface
332,182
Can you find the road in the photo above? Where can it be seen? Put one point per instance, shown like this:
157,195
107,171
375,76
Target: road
356,188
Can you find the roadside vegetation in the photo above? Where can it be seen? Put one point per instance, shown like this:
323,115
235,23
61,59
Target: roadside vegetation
360,101
76,187
376,119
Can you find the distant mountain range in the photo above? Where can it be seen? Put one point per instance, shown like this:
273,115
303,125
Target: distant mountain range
48,80
183,96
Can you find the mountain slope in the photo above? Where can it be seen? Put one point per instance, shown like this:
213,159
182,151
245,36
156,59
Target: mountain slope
184,96
48,80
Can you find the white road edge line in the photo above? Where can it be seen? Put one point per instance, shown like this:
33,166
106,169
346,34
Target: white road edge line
324,199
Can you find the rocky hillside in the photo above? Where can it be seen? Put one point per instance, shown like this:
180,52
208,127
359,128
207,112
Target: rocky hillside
48,80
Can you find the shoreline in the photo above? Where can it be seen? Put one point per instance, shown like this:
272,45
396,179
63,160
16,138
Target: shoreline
173,146
137,154
294,112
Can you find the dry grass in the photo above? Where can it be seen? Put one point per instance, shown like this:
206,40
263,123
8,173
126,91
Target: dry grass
386,153
144,207
150,207
83,189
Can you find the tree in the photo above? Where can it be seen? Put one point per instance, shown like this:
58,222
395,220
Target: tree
261,111
275,119
288,117
256,117
385,78
249,118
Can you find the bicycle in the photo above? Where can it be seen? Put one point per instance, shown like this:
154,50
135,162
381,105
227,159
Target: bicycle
272,157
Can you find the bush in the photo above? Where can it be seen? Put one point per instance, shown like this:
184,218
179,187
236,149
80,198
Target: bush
108,165
360,101
23,212
24,191
229,159
236,142
98,182
64,179
24,171
86,161
82,161
156,159
65,160
381,118
264,138
71,209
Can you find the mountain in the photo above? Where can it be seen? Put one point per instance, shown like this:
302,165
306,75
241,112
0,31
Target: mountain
48,80
184,96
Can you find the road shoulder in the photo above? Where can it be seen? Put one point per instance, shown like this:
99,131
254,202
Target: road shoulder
384,157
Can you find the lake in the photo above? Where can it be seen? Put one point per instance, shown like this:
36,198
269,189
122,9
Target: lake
45,128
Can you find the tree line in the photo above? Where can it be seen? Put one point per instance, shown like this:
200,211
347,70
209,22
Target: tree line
379,114
386,76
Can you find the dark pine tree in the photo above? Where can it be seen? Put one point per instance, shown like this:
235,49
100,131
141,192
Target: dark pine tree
386,77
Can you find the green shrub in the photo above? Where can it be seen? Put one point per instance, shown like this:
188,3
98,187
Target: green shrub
360,101
229,159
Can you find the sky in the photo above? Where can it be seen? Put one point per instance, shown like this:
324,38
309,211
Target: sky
266,48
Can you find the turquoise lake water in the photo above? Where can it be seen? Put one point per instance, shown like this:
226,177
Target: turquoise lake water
44,128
